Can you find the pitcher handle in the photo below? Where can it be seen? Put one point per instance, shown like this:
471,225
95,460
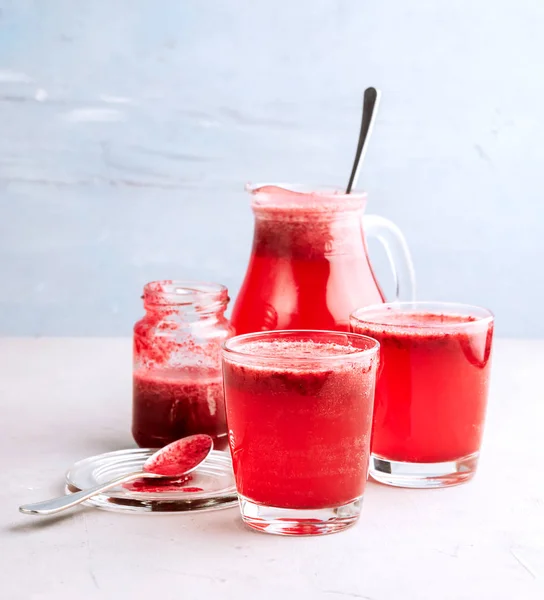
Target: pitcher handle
398,254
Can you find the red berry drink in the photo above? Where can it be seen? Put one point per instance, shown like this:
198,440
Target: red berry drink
432,389
299,412
309,268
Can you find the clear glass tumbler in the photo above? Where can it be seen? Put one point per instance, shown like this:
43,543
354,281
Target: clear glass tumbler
299,413
431,393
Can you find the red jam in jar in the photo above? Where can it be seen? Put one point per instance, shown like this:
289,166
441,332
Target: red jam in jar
177,379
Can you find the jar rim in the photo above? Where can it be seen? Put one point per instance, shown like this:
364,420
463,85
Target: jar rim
182,292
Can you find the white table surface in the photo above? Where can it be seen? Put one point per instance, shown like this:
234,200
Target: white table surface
65,399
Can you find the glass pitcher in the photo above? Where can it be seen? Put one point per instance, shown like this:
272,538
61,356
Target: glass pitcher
309,266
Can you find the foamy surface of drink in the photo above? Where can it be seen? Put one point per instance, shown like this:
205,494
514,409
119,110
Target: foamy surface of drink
414,323
311,354
297,349
291,204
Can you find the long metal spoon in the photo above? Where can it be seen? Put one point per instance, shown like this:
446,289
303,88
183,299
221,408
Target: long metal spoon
177,459
371,102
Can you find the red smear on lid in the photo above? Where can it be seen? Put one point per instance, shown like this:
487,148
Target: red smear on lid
157,485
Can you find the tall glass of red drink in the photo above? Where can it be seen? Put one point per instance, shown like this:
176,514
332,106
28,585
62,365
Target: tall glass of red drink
299,413
431,393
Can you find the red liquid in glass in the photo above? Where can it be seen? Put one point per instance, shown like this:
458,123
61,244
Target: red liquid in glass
171,404
432,386
308,270
299,439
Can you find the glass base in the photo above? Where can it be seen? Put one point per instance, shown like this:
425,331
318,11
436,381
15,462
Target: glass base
292,521
423,475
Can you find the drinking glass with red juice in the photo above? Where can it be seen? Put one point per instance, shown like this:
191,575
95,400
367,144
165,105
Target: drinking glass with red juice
309,267
177,379
299,411
431,392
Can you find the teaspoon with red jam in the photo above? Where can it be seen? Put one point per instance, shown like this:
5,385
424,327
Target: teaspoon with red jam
178,458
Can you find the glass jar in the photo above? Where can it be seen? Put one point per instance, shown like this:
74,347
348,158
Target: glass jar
177,379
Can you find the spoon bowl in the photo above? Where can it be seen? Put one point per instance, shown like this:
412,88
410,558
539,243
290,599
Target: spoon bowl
180,457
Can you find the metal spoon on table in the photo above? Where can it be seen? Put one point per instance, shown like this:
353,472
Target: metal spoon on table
177,459
371,102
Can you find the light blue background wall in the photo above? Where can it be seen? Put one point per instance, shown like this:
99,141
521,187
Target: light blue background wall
128,129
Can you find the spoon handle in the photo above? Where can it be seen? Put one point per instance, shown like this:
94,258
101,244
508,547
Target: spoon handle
370,110
55,505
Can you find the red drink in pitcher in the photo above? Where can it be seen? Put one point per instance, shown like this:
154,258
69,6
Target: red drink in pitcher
309,267
299,412
432,389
